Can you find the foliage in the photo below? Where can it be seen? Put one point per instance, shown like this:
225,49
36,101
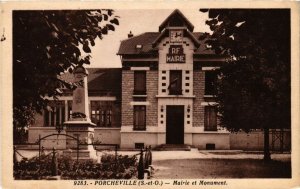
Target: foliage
20,135
20,125
253,90
47,44
70,169
28,169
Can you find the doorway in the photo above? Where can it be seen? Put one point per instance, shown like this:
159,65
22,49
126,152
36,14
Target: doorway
175,125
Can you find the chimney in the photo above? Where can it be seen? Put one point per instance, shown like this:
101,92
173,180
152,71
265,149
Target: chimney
130,34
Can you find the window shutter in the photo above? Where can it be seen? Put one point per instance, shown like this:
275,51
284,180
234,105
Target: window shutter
140,82
139,117
210,118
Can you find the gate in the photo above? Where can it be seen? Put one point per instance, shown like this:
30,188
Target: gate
59,134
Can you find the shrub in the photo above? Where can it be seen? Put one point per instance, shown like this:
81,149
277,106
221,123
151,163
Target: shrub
109,168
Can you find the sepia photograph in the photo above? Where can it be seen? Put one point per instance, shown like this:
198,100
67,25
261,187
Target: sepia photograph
152,97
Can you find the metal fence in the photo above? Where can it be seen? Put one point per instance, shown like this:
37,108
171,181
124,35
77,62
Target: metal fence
145,163
144,166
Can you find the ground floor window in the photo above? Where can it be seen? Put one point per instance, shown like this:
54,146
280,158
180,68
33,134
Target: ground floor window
101,113
139,118
210,118
70,102
55,114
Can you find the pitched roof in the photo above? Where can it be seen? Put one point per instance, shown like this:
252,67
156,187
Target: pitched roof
104,80
128,46
177,15
202,49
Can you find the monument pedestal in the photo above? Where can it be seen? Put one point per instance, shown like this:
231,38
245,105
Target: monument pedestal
84,131
80,125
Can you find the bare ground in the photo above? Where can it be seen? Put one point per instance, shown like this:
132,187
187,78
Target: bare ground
220,168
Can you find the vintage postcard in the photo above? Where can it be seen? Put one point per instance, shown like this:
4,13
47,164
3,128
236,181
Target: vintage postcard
150,94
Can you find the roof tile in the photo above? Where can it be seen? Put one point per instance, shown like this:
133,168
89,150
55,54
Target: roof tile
107,80
128,46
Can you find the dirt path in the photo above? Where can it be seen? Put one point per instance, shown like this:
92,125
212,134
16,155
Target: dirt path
220,168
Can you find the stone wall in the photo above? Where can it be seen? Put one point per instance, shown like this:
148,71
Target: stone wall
128,140
255,140
58,142
107,135
220,140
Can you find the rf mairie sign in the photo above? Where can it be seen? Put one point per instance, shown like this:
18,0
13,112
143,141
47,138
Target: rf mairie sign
175,54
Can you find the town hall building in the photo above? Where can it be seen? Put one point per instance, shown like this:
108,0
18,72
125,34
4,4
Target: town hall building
163,94
167,95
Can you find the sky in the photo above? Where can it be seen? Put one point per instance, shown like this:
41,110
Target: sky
137,21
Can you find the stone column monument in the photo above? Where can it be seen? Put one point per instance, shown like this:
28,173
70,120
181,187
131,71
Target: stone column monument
80,125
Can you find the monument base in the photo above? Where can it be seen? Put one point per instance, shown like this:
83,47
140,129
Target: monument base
83,131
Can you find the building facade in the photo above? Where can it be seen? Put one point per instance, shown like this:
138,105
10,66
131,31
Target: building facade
163,94
167,95
104,102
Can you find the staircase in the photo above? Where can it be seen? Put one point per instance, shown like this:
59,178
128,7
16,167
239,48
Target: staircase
173,147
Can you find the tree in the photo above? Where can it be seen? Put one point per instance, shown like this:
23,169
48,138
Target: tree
47,44
253,89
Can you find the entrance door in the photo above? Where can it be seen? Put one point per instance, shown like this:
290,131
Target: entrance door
175,125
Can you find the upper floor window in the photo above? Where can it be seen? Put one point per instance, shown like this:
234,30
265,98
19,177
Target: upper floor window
139,83
175,85
139,118
101,113
210,118
55,115
210,81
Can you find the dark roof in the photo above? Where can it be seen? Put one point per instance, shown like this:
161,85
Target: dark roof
176,14
104,80
128,46
108,79
202,50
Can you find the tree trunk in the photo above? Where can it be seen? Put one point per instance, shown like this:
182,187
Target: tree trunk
267,155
